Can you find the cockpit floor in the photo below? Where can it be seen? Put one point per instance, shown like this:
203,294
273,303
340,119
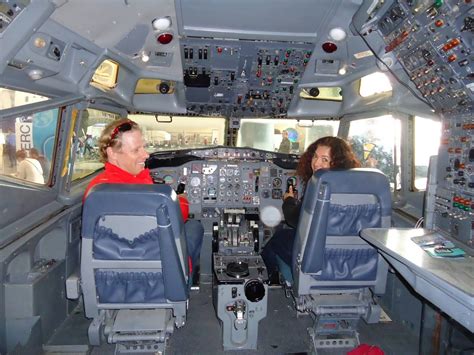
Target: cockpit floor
280,332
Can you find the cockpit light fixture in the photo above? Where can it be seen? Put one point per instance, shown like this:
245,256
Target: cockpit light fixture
337,34
145,57
39,42
162,23
35,74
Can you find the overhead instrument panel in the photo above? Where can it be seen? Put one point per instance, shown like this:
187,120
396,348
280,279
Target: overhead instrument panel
242,78
433,41
9,10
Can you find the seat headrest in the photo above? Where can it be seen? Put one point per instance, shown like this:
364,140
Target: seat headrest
353,181
127,199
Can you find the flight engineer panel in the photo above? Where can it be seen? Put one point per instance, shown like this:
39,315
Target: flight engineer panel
433,42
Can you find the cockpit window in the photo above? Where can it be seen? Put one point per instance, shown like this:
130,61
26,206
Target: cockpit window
162,133
376,142
180,132
427,136
374,84
27,145
86,150
14,98
271,134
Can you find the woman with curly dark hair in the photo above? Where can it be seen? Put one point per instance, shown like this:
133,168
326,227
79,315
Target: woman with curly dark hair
325,153
341,157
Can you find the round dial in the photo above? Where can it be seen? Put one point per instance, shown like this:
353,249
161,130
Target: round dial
212,192
210,179
168,179
195,181
276,182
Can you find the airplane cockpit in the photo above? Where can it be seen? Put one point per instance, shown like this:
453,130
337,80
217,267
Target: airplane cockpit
228,96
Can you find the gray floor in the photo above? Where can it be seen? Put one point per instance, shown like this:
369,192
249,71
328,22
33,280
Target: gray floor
280,332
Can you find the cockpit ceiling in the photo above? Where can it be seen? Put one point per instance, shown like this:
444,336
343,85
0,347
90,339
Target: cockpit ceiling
112,20
249,56
278,20
281,20
232,58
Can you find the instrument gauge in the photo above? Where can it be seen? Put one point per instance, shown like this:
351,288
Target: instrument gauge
276,182
168,179
212,192
195,181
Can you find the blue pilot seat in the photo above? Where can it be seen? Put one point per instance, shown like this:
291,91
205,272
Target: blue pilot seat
134,270
335,273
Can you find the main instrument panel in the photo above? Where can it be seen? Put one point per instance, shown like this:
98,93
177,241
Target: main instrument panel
229,178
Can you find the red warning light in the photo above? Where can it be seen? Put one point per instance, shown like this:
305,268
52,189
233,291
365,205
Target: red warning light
165,38
329,47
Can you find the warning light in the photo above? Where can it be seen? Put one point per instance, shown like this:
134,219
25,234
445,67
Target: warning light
329,47
165,38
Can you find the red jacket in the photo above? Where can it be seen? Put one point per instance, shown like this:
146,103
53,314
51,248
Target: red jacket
114,175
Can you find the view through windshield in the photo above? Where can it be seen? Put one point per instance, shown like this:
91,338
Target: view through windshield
179,132
283,135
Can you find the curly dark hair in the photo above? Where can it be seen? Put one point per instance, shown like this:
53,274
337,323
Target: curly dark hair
342,156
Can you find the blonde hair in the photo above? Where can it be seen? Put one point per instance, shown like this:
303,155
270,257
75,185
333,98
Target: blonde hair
111,136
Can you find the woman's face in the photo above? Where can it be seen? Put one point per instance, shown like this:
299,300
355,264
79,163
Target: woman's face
321,158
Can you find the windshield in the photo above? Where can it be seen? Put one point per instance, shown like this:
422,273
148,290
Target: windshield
275,135
180,132
283,135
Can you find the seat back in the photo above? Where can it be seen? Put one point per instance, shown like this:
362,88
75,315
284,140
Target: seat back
133,248
328,252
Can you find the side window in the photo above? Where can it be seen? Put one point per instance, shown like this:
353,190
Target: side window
14,98
427,139
27,144
376,142
85,143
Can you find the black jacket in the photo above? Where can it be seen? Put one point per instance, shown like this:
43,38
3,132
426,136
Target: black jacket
291,211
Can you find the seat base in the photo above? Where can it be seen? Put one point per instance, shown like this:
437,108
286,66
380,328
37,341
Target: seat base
144,348
142,321
337,317
342,340
133,330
